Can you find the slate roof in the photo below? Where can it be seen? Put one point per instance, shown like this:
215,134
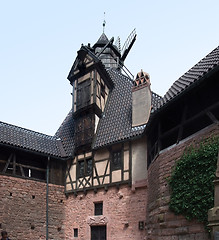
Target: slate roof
102,40
66,134
116,123
30,140
114,126
193,75
155,101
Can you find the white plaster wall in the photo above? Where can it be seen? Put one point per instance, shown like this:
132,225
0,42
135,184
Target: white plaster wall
139,160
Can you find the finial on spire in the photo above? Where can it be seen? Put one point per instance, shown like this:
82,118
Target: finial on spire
104,23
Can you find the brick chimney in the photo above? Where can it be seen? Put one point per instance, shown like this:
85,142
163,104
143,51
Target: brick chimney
141,99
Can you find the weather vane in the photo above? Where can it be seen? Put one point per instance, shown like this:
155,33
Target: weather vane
104,23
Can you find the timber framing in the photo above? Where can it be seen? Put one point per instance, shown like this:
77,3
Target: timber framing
11,164
24,164
194,111
103,174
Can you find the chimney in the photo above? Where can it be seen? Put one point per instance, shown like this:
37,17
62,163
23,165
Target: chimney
141,99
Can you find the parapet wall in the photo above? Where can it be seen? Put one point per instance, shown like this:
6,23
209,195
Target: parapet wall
161,223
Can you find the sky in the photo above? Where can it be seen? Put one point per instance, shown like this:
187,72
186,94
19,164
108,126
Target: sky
40,39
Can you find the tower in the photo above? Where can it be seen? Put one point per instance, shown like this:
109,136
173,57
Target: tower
107,52
91,86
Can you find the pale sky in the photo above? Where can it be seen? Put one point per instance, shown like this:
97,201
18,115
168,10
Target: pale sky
40,39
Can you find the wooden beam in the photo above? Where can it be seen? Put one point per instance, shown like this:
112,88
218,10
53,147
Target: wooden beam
31,167
87,180
107,164
8,162
97,176
212,117
14,164
80,183
3,161
69,175
200,114
22,171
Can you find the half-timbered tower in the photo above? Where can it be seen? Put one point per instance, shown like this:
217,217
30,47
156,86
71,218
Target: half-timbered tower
102,100
105,159
103,174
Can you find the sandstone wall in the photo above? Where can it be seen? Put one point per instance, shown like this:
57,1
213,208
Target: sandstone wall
161,223
23,209
122,211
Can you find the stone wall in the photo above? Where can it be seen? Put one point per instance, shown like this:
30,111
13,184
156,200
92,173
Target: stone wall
161,223
23,209
122,211
23,206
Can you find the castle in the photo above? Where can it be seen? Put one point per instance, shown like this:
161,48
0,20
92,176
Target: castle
103,174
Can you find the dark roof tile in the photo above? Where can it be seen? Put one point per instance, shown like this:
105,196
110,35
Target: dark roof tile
28,139
66,134
194,74
116,122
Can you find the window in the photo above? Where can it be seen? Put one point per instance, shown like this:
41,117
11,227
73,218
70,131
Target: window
98,208
89,165
85,167
116,160
83,94
81,168
76,232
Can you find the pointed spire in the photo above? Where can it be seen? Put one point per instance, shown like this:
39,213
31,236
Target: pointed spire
104,23
102,40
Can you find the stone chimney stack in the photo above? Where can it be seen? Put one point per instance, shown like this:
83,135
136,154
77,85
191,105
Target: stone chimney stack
141,99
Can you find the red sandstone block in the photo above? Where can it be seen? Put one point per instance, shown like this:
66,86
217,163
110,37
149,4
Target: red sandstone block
163,238
187,237
185,222
181,230
196,228
170,216
180,217
202,236
164,209
167,232
174,237
174,224
151,238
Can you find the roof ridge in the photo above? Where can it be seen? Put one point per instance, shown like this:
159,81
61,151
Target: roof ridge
63,122
196,72
25,129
